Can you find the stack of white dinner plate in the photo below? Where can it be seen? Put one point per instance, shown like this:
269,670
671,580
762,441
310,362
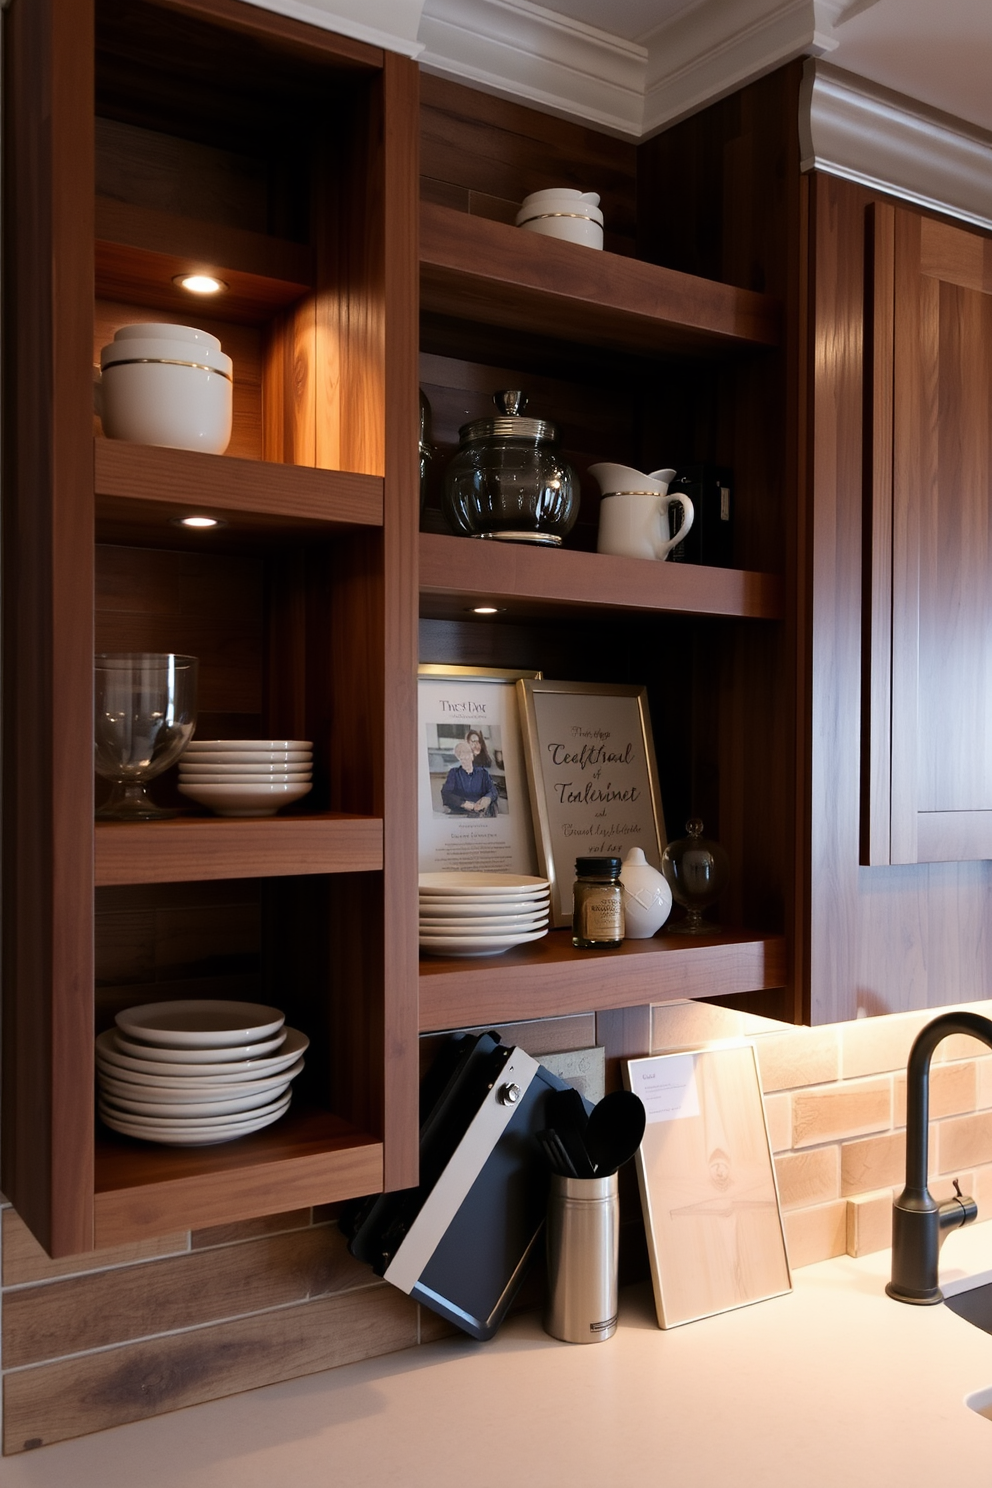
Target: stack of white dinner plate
195,1073
481,914
246,777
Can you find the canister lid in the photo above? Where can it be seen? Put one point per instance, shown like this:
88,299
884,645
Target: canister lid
511,424
605,867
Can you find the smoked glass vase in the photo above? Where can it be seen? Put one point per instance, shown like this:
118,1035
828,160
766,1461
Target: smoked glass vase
697,871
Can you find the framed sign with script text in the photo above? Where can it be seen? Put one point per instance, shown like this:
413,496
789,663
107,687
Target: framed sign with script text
474,807
593,778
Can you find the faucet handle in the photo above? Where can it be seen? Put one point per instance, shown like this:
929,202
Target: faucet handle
957,1187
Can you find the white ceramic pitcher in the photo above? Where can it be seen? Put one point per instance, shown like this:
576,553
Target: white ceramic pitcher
633,514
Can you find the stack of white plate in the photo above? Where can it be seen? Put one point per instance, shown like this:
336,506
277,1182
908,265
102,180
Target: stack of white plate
195,1073
246,777
481,914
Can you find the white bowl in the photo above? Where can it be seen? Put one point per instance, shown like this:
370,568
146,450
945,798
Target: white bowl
488,885
246,800
245,746
200,1023
477,945
263,1049
109,1056
166,330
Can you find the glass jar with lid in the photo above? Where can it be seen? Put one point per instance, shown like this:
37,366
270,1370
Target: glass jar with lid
508,481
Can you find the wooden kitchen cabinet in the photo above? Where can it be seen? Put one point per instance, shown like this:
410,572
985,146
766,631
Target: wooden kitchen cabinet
283,159
927,783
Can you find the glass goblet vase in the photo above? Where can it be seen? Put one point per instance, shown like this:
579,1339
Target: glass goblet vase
697,871
145,716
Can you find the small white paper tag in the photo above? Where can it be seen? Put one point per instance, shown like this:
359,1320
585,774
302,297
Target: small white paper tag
667,1086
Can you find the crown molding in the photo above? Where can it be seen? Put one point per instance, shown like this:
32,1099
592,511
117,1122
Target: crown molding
521,50
857,129
392,24
709,49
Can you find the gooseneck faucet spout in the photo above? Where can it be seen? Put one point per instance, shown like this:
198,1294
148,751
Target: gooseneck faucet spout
919,1223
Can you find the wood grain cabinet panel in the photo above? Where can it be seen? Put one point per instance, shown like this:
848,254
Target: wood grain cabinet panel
928,691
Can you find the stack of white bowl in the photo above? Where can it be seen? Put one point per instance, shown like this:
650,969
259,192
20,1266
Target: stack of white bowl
195,1073
246,777
481,914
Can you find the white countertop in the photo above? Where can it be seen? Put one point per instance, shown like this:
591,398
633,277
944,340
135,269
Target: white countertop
832,1385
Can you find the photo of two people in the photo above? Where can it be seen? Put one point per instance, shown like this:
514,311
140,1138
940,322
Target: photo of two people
467,772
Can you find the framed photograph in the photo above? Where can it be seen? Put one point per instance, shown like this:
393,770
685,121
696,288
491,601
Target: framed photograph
593,778
473,802
707,1181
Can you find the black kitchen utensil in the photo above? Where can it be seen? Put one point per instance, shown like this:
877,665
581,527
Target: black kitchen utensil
614,1130
567,1116
554,1150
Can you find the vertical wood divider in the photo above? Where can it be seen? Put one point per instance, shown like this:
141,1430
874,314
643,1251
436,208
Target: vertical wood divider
48,622
402,507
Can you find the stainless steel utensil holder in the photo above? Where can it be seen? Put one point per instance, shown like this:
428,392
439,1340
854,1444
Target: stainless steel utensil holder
582,1234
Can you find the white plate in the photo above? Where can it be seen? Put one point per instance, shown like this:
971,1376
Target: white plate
495,926
258,757
107,1053
235,1052
514,884
246,800
229,777
476,909
202,1123
181,1091
202,1023
180,1135
245,746
482,945
192,1109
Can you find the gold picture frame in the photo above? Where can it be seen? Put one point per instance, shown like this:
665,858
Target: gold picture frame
454,702
593,777
712,1214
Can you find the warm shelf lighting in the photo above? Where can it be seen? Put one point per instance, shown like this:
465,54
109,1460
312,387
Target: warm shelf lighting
201,284
486,610
198,522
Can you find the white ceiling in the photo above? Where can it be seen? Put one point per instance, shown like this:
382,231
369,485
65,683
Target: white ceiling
936,51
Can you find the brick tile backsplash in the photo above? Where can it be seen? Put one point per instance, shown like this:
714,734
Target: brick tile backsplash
963,1141
847,1109
817,1233
810,1177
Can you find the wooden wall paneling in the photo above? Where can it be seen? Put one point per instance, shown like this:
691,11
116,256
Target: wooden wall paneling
289,406
350,257
483,155
876,682
48,956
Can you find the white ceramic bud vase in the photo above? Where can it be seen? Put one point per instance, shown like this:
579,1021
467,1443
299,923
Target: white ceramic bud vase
647,899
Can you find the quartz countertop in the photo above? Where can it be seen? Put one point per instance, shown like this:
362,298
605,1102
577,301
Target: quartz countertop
832,1384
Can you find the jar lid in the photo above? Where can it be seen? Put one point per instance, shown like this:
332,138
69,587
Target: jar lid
560,201
510,425
598,867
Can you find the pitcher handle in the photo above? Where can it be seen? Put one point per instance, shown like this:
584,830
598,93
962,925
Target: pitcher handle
664,547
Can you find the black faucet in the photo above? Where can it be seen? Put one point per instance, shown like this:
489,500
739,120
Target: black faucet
919,1223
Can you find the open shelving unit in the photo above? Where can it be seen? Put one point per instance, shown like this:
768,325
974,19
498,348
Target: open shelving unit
282,159
529,307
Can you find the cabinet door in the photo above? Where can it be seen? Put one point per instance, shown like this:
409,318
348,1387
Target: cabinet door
927,769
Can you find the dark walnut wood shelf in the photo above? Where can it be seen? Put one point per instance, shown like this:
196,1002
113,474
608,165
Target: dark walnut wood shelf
142,489
198,848
457,572
308,1157
496,275
139,251
551,977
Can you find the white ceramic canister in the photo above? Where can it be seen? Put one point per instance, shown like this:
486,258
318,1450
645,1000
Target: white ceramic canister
168,385
647,898
562,212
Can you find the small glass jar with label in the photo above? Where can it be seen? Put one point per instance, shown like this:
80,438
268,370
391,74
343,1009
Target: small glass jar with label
597,906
